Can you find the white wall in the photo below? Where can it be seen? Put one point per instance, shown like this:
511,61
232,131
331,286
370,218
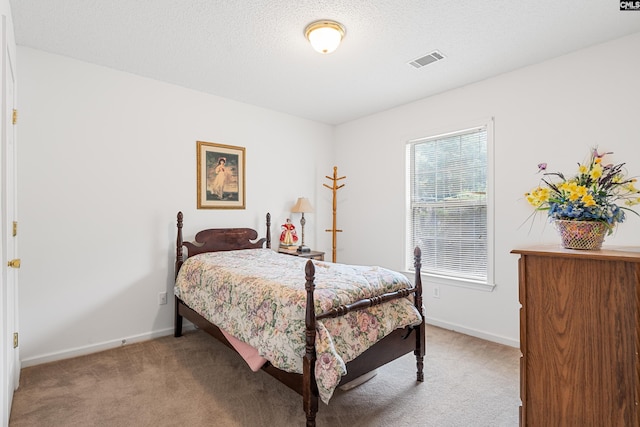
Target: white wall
106,160
552,112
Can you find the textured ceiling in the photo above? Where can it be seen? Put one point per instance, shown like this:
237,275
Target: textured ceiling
255,51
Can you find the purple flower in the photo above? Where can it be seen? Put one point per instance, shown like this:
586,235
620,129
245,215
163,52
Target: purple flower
599,156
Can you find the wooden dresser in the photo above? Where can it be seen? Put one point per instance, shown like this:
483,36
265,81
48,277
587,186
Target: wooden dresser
579,336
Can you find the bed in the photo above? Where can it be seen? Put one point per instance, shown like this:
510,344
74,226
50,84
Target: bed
316,325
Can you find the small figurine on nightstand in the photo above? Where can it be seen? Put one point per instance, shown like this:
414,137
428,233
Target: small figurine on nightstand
288,237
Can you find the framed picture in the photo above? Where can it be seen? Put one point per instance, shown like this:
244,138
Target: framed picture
221,182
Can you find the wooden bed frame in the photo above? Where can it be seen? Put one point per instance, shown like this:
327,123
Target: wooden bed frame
391,347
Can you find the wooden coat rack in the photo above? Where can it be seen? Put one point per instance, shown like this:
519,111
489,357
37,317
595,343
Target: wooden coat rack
335,187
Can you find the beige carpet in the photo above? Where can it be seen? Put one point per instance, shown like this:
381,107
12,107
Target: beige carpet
196,381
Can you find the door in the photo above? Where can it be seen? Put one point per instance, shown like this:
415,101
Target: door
10,261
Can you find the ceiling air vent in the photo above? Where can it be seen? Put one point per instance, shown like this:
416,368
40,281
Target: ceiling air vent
427,59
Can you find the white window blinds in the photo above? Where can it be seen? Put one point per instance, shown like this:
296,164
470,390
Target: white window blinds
448,203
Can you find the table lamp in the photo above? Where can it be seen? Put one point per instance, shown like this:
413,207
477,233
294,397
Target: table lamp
302,206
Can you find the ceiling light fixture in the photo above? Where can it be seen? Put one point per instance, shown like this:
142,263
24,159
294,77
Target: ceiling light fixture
325,35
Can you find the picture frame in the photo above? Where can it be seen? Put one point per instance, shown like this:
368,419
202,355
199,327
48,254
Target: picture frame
220,176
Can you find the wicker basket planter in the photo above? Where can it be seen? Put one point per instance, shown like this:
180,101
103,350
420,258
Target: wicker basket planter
586,235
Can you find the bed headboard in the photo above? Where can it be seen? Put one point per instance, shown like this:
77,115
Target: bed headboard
219,239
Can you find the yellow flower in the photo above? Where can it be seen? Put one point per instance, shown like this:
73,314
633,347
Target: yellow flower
582,169
538,196
573,196
587,199
576,191
596,171
568,186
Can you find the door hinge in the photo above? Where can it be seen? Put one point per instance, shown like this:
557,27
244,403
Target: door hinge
15,340
15,116
15,228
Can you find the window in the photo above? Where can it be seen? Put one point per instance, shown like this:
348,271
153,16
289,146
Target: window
448,209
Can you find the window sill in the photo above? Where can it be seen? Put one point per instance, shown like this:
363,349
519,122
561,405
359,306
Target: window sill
449,281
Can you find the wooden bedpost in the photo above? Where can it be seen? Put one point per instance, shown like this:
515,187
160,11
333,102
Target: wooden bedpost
177,325
179,245
268,230
309,386
421,332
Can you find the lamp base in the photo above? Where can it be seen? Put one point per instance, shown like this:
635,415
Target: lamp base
303,249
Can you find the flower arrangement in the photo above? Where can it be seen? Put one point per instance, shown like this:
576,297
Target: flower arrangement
598,192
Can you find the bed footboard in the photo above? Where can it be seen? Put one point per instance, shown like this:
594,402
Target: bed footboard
388,349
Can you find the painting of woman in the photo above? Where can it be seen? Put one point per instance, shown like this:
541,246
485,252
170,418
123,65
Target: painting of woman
217,188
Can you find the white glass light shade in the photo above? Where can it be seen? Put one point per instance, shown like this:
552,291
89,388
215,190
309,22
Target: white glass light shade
325,36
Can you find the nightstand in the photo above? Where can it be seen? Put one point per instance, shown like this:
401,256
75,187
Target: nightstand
312,254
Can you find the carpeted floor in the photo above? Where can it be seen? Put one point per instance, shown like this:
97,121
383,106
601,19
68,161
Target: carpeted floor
196,381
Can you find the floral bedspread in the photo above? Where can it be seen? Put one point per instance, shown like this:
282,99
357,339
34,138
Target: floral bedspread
258,296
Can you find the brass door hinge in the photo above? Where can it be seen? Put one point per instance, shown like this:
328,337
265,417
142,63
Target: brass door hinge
15,116
15,228
15,340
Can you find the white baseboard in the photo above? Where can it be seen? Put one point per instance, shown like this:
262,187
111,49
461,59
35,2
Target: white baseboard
472,332
94,348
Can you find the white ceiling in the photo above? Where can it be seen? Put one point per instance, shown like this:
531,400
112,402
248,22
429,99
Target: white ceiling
255,52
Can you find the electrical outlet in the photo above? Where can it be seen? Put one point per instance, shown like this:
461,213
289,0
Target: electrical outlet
162,298
436,292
